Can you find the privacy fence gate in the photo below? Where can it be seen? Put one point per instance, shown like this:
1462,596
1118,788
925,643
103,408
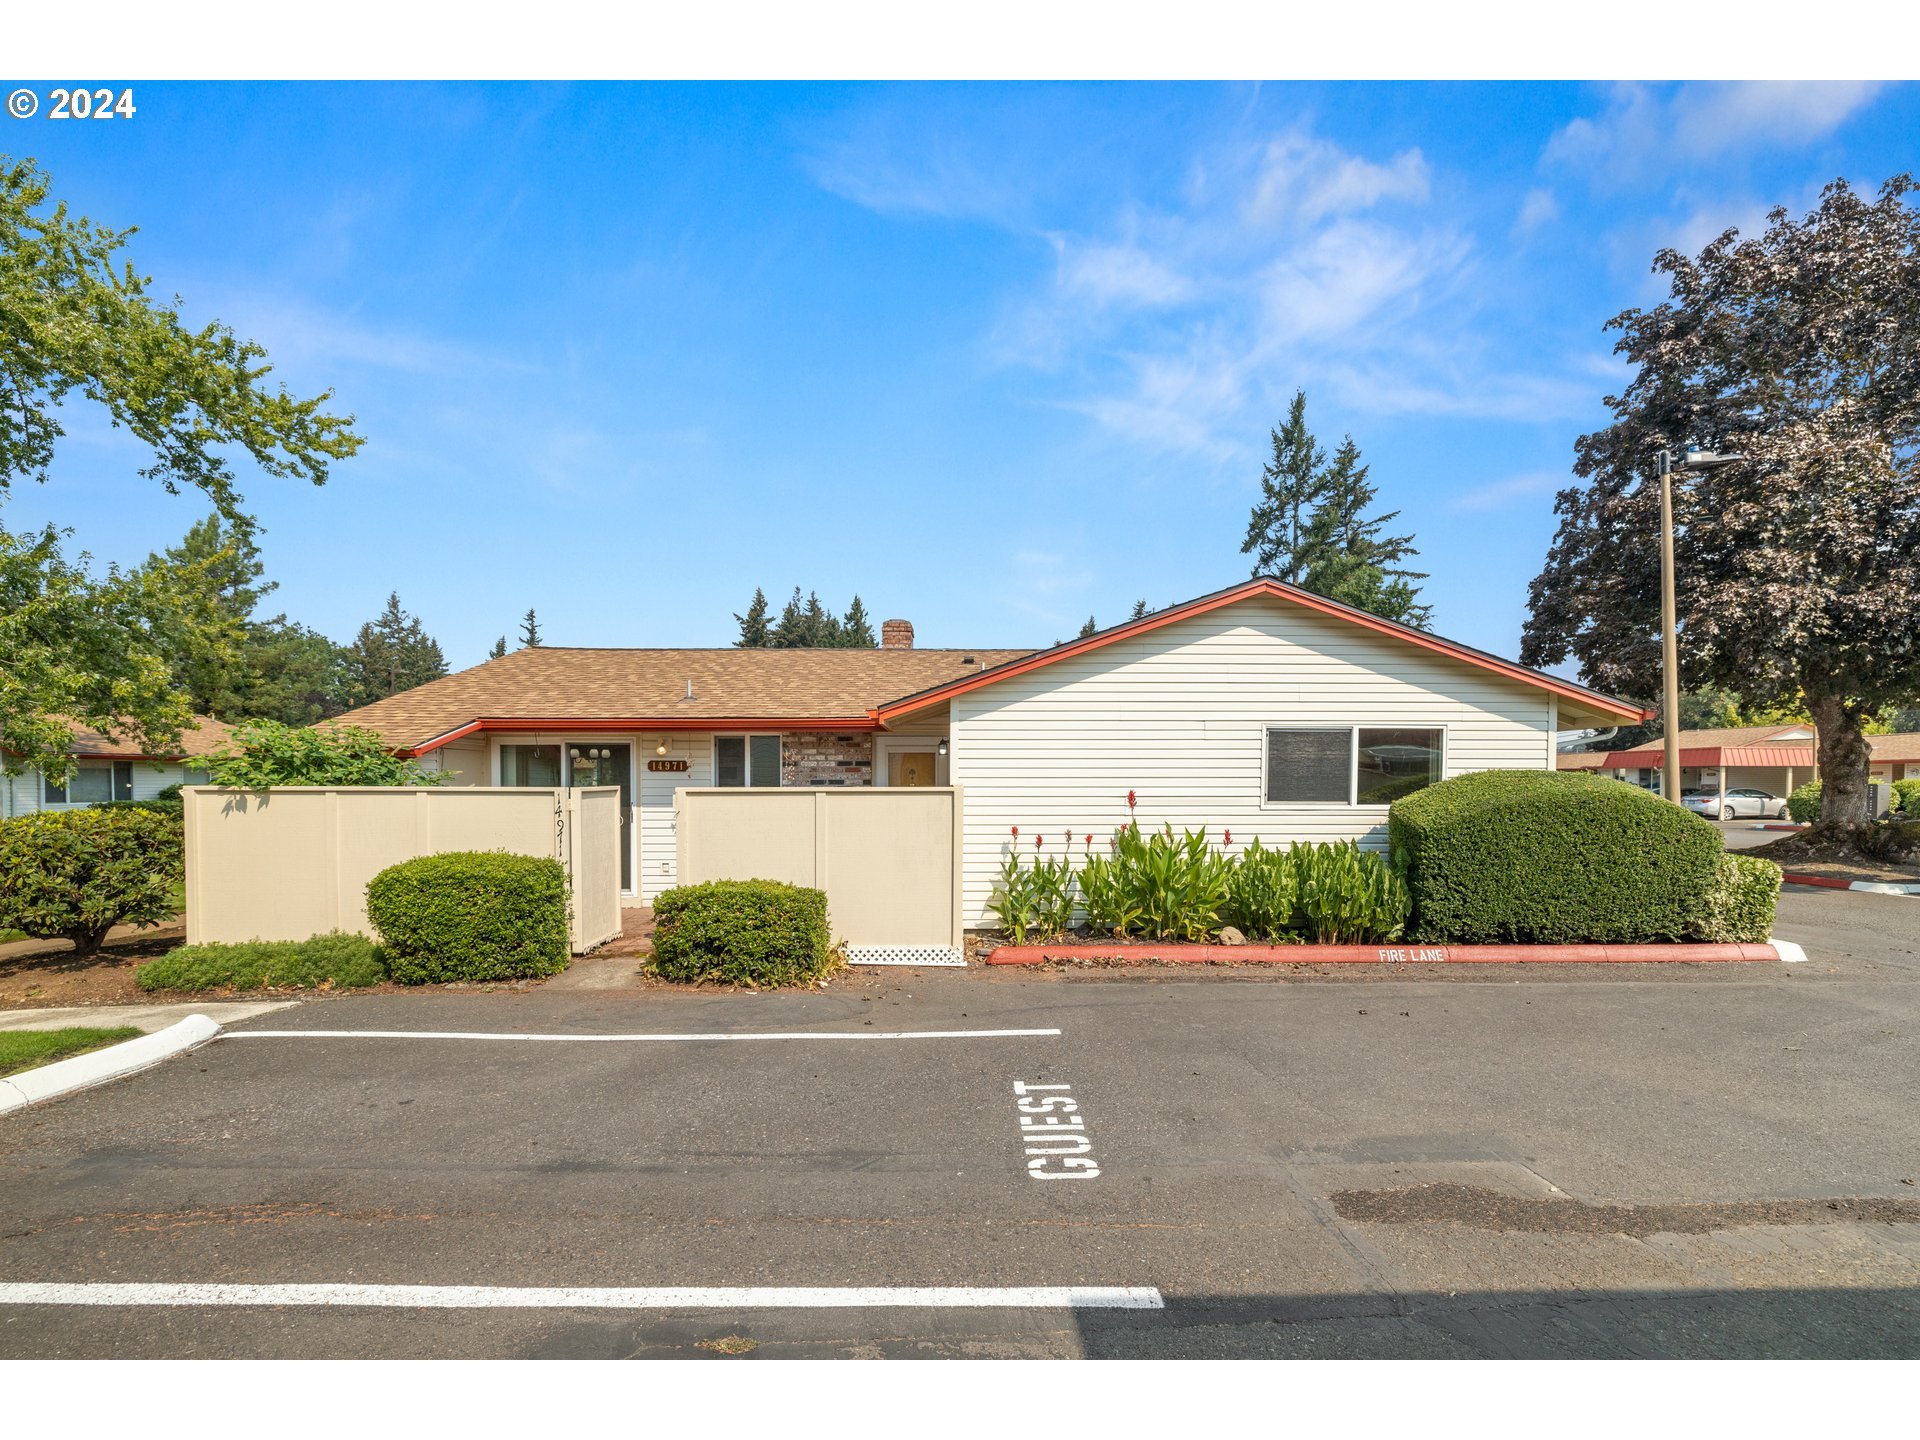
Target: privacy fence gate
292,861
888,859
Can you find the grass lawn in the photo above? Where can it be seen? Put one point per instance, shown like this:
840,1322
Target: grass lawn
24,1049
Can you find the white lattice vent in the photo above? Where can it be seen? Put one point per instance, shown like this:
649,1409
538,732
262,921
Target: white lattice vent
904,955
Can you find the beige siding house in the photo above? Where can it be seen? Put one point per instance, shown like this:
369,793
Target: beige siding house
1260,709
111,768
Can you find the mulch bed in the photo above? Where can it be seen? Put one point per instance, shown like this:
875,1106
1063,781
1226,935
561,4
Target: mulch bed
1808,854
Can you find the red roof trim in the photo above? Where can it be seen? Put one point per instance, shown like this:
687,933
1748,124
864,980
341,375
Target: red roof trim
1246,591
631,725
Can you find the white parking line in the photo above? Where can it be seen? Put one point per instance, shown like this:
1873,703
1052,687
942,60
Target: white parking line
567,1297
718,1035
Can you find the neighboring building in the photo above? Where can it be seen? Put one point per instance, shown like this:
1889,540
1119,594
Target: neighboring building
1263,709
1774,758
112,769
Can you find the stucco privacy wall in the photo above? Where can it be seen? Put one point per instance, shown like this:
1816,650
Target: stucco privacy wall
1178,715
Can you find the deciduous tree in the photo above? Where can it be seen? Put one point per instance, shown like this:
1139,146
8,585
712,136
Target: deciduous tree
1798,566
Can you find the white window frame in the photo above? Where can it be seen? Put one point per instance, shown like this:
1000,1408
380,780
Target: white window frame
1353,729
112,767
747,737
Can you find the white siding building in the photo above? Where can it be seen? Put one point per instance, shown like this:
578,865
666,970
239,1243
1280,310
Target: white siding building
110,769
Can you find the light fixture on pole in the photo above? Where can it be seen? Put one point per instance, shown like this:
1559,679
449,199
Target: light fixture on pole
1694,458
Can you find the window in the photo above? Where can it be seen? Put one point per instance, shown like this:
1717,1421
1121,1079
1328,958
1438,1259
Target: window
1351,764
749,760
530,765
93,783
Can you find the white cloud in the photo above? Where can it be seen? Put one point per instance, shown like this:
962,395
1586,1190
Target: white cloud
1539,208
1503,494
1108,274
1304,179
1643,128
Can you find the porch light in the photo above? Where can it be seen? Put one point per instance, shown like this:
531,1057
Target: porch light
661,748
575,752
942,749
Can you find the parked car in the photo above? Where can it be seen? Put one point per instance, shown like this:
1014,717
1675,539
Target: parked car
1735,804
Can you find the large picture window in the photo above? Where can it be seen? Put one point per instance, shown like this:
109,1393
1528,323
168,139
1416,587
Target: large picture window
93,784
746,760
1351,764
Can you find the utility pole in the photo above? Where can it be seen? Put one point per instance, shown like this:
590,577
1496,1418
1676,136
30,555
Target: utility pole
1669,641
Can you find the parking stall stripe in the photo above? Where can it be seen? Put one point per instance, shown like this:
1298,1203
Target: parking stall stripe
510,1297
603,1039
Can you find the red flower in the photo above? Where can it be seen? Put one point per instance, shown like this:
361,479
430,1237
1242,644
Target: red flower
1038,842
1016,832
1130,800
1089,842
1229,837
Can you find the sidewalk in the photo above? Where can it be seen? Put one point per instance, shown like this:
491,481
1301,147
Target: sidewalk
145,1017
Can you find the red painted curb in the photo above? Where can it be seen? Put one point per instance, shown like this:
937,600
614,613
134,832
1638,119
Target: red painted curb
1825,881
1388,954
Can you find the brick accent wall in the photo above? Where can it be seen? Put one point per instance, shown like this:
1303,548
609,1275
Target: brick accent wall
819,759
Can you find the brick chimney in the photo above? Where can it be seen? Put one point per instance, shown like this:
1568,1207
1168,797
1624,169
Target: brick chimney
896,635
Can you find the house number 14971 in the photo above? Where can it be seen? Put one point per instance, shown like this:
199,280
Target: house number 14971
1054,1132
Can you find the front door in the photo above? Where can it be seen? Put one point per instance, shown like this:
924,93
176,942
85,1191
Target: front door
910,767
601,763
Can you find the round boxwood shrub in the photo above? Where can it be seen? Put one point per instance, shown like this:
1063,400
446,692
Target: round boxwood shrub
1545,857
1740,905
742,932
1906,798
1803,804
75,874
471,915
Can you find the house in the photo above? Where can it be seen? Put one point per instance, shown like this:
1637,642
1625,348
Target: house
112,769
1262,708
1774,758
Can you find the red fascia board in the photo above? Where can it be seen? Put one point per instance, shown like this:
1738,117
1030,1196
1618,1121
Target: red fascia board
630,725
1304,598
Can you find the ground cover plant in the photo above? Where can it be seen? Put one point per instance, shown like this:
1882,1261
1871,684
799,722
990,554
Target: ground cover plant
24,1049
335,961
1535,856
75,874
757,933
472,915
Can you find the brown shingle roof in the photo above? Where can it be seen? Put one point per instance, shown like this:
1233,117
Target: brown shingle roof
210,736
1895,747
551,683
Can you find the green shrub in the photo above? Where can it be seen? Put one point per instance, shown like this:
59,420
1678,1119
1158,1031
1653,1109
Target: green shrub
1906,798
1740,904
1803,804
742,932
1546,857
158,805
1040,896
75,874
337,959
1167,888
1263,894
1349,896
471,915
267,752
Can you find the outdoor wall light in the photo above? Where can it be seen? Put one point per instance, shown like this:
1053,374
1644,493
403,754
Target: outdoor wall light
575,752
661,748
943,748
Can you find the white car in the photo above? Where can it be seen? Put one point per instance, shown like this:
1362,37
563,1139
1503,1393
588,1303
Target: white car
1735,804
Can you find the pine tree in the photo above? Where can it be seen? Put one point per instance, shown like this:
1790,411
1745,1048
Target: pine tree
499,650
530,630
390,654
1311,528
1140,610
790,629
754,634
1089,628
822,631
856,631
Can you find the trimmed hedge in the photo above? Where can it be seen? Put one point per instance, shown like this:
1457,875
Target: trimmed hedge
1740,904
1803,804
1906,798
75,874
471,915
742,932
344,961
1554,858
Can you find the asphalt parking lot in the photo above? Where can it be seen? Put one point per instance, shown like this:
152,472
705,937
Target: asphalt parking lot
1671,1160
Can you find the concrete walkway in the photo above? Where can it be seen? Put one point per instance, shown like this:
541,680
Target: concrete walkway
146,1017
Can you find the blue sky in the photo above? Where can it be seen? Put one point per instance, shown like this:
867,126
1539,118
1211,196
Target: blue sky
994,356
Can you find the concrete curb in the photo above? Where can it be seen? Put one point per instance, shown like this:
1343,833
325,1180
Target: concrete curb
1872,887
1177,954
63,1077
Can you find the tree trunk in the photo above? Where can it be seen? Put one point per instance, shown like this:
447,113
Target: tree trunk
87,943
1845,764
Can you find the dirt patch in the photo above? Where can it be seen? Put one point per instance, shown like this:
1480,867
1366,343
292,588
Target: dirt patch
1807,853
1491,1210
47,972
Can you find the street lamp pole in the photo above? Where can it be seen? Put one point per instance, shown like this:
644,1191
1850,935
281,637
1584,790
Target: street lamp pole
1669,641
1669,619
